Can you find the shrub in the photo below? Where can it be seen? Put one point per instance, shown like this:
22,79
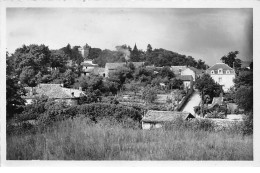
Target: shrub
248,124
193,124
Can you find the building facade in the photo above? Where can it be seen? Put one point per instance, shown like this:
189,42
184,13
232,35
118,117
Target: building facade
223,75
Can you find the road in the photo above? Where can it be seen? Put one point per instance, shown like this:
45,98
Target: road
193,101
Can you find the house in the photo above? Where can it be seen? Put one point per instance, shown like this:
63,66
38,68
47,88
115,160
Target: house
53,91
156,119
223,75
184,70
88,67
189,72
186,79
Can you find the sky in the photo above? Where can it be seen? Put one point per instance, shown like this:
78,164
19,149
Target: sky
206,34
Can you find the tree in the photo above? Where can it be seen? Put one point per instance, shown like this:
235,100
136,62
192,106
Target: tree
149,94
244,98
68,78
149,49
91,82
94,53
58,59
166,72
14,100
175,84
33,56
245,78
28,77
201,65
207,86
122,73
231,60
135,55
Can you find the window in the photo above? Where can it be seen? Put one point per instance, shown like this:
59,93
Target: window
220,71
227,72
212,71
219,79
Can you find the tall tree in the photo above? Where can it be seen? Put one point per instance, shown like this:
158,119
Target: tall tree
14,91
135,55
149,49
34,56
207,86
231,60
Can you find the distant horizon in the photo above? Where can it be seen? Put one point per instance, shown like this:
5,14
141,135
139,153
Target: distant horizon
206,34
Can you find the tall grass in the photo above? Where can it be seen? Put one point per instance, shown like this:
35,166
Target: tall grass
79,139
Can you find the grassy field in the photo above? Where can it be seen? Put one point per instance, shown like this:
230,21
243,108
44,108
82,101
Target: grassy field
79,140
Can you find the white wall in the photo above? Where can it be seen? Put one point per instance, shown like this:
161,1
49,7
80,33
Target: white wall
227,80
188,71
186,84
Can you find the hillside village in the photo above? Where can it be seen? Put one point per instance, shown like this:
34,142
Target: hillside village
131,80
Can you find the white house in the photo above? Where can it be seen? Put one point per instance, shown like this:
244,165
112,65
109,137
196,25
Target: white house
190,72
88,67
222,74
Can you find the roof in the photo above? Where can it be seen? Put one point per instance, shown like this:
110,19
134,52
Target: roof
185,77
177,69
197,71
88,64
53,91
217,100
165,116
223,66
220,65
115,65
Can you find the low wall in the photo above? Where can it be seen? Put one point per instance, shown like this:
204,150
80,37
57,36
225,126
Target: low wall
185,100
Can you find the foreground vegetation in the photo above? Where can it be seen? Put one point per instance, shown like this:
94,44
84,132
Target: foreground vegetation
82,139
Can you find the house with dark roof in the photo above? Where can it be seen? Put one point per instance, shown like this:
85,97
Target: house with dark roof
223,75
53,91
156,119
186,79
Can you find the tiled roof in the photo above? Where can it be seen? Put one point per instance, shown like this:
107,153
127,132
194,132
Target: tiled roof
115,65
178,69
223,66
220,65
197,71
53,91
185,77
165,116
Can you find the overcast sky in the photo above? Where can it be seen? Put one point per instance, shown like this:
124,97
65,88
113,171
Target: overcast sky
205,34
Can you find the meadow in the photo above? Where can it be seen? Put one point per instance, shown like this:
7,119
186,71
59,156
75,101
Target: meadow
80,139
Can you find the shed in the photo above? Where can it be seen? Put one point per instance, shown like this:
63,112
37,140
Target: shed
155,119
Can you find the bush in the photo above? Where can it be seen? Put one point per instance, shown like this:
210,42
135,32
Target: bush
248,124
193,124
100,110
